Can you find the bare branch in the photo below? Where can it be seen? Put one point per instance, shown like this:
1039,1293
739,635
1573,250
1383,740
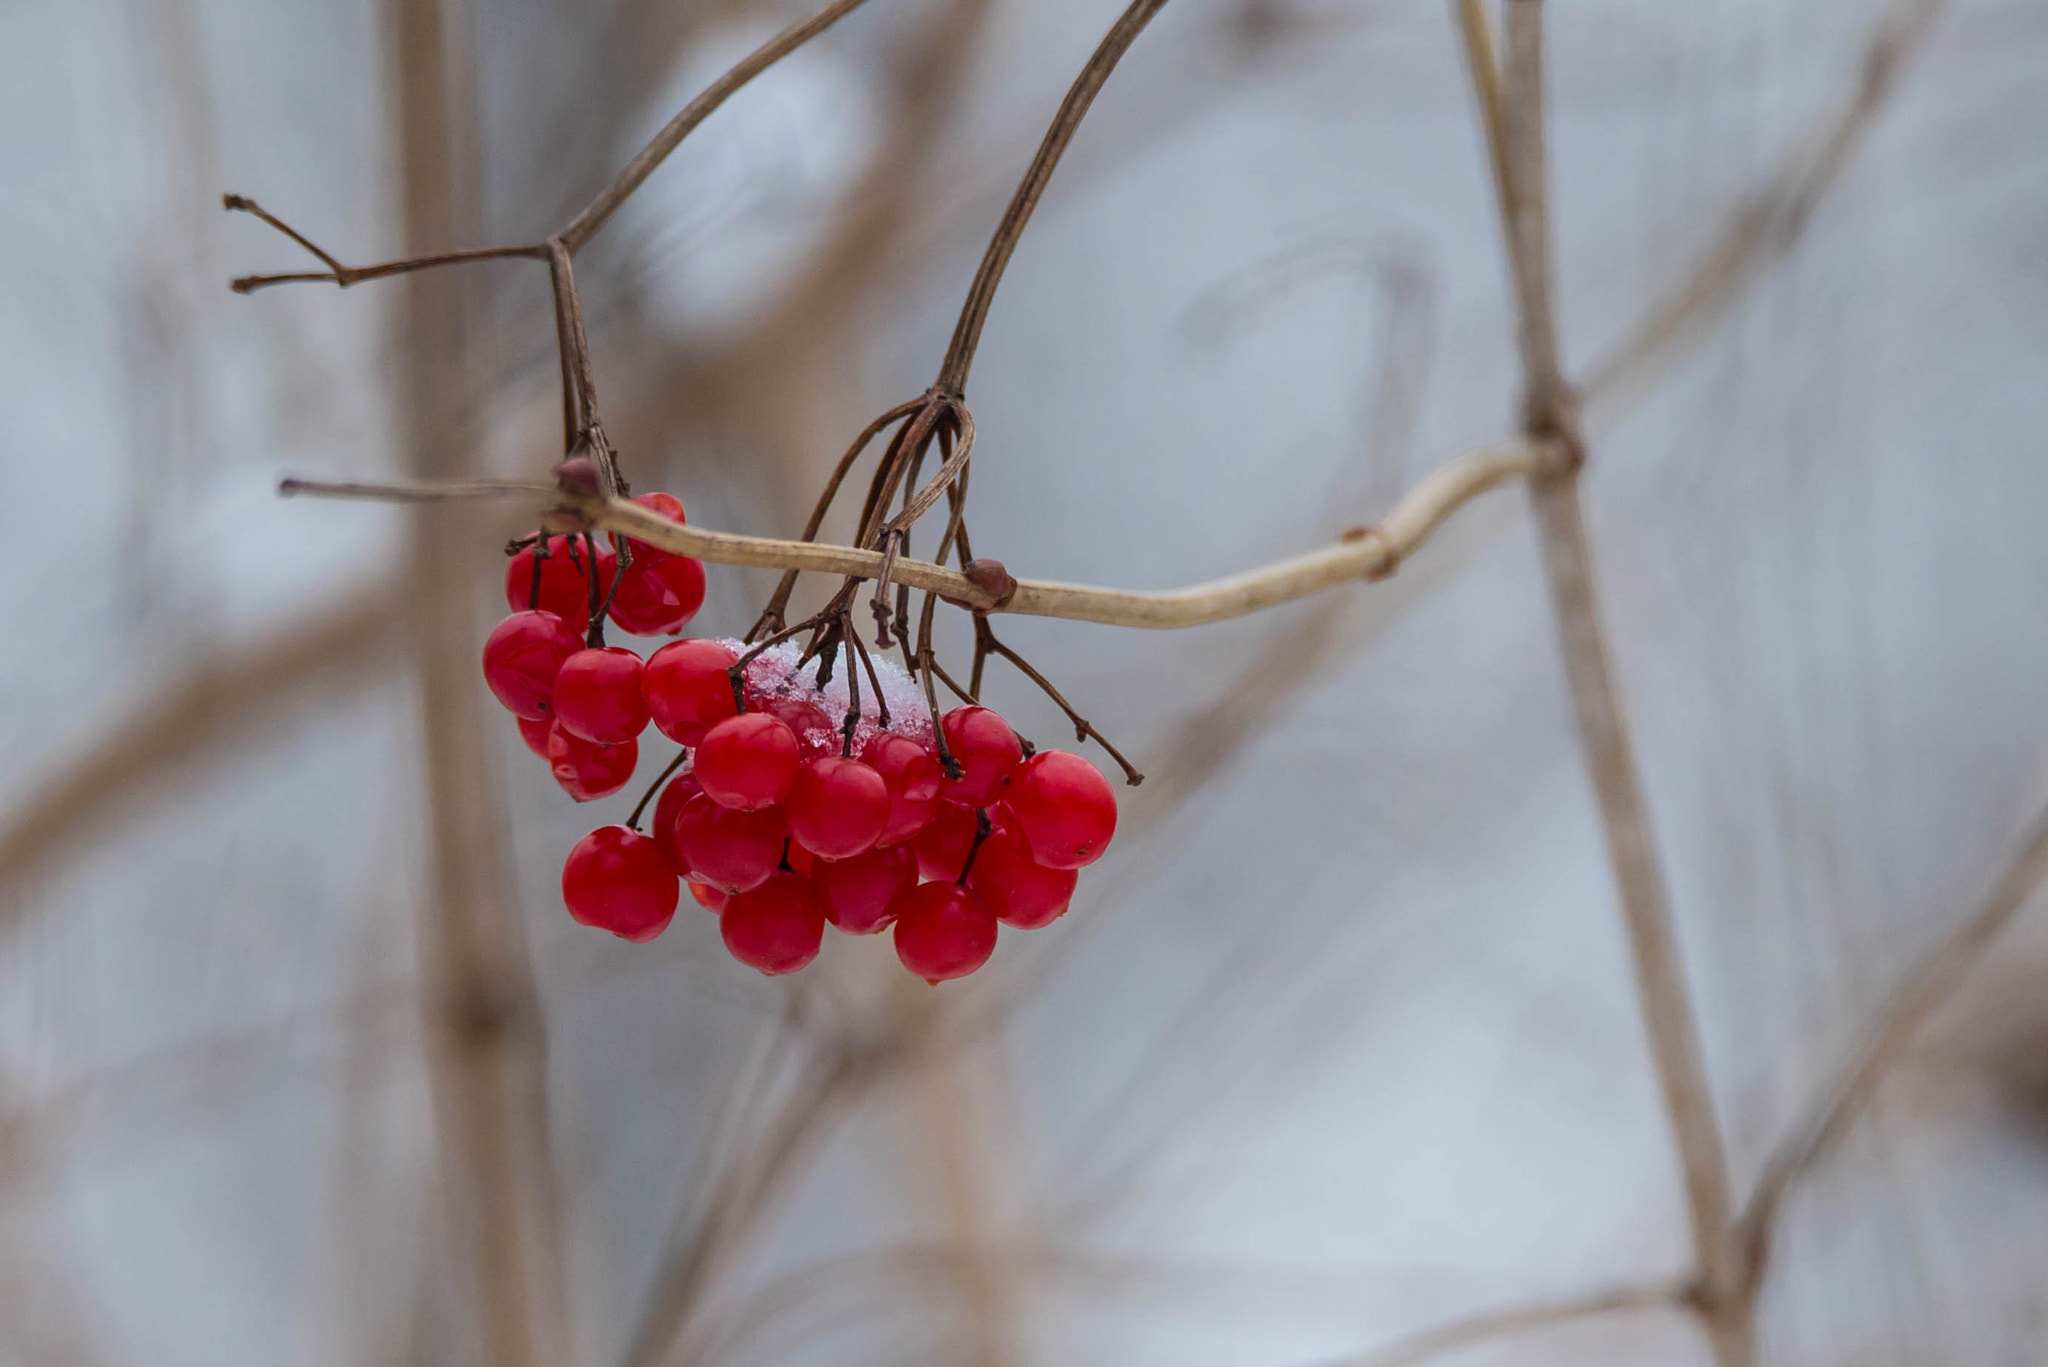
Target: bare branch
1365,553
1519,1319
444,492
1924,990
221,701
974,312
1774,216
643,164
344,276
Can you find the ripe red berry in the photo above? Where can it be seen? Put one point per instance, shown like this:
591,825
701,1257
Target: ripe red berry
912,775
800,859
747,762
777,927
668,506
522,656
860,893
564,580
598,695
1022,892
1065,808
731,850
658,597
588,771
675,795
711,899
837,807
943,931
987,750
941,847
615,879
534,731
816,730
687,689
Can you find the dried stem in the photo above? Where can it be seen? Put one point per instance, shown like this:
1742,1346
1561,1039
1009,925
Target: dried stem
1550,410
974,312
986,643
1520,1319
1916,999
1369,553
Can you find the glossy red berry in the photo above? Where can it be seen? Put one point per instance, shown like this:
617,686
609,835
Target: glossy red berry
987,750
747,762
588,771
777,927
730,850
687,689
800,859
912,775
860,893
1064,807
564,580
535,731
817,732
599,695
837,807
943,931
711,899
615,879
1022,892
666,505
522,657
675,795
941,847
658,597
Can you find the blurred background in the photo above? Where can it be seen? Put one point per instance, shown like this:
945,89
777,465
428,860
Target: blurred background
301,1059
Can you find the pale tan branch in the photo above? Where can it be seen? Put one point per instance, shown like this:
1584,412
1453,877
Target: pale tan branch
1519,1319
447,491
1774,216
1369,553
643,164
1932,983
223,700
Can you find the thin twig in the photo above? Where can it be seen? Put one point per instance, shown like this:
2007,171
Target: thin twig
1519,1319
443,492
1924,990
1369,553
974,312
986,641
635,172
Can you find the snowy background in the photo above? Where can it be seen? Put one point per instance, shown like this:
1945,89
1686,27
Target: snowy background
1339,1042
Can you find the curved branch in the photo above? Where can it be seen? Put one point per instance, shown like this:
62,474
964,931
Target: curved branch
1929,985
635,173
974,312
1368,553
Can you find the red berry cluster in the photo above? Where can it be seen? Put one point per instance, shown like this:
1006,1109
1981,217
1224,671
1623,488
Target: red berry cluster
787,816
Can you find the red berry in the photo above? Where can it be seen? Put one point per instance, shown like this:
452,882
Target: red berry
941,847
816,730
837,807
564,580
943,931
522,657
1065,808
675,795
666,505
1022,892
688,692
615,879
912,774
711,899
730,850
534,731
800,859
987,750
860,893
777,927
747,762
588,771
658,597
598,695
